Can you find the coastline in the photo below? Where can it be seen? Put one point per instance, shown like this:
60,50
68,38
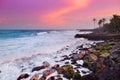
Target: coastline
82,60
98,59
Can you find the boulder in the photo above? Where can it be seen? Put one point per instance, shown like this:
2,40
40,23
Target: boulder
115,56
56,66
35,77
23,76
64,69
43,78
48,72
46,64
37,68
51,78
93,57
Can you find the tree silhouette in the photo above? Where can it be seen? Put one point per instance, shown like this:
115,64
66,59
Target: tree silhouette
100,22
94,20
103,21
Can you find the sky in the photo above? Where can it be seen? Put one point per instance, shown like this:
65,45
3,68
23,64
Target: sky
55,14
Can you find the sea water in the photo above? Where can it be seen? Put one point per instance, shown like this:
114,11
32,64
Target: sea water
19,47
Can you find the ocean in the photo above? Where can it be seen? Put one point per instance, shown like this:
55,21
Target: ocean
25,49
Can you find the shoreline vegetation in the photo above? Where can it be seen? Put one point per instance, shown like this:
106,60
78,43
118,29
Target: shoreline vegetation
102,59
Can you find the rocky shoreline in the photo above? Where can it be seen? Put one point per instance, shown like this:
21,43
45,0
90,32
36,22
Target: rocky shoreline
103,60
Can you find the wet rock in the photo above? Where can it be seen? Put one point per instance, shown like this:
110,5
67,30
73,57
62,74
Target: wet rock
56,66
115,56
23,76
66,62
35,77
93,57
43,78
69,74
84,72
76,76
64,69
48,72
46,64
59,79
51,78
37,68
117,67
88,77
73,61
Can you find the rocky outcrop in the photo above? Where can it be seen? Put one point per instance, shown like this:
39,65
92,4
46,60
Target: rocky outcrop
105,67
99,36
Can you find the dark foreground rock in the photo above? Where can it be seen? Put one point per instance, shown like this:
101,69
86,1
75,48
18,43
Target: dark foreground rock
105,67
23,76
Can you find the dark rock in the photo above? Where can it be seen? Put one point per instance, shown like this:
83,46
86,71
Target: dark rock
89,77
46,64
23,76
35,77
68,74
51,78
76,76
59,79
115,56
43,78
48,72
56,66
66,62
64,69
84,72
73,61
37,68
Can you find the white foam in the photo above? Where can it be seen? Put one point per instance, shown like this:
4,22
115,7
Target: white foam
41,33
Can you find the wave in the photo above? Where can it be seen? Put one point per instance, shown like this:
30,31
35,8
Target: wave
41,33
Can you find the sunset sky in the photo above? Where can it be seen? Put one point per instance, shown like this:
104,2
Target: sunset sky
55,14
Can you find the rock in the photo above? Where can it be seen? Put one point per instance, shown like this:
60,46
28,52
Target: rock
59,79
37,68
48,72
46,64
73,61
84,72
64,69
66,62
69,74
75,56
35,77
51,78
88,77
43,78
117,67
93,57
56,66
115,56
76,76
23,76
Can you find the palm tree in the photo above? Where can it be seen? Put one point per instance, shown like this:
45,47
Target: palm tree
94,20
100,22
103,21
